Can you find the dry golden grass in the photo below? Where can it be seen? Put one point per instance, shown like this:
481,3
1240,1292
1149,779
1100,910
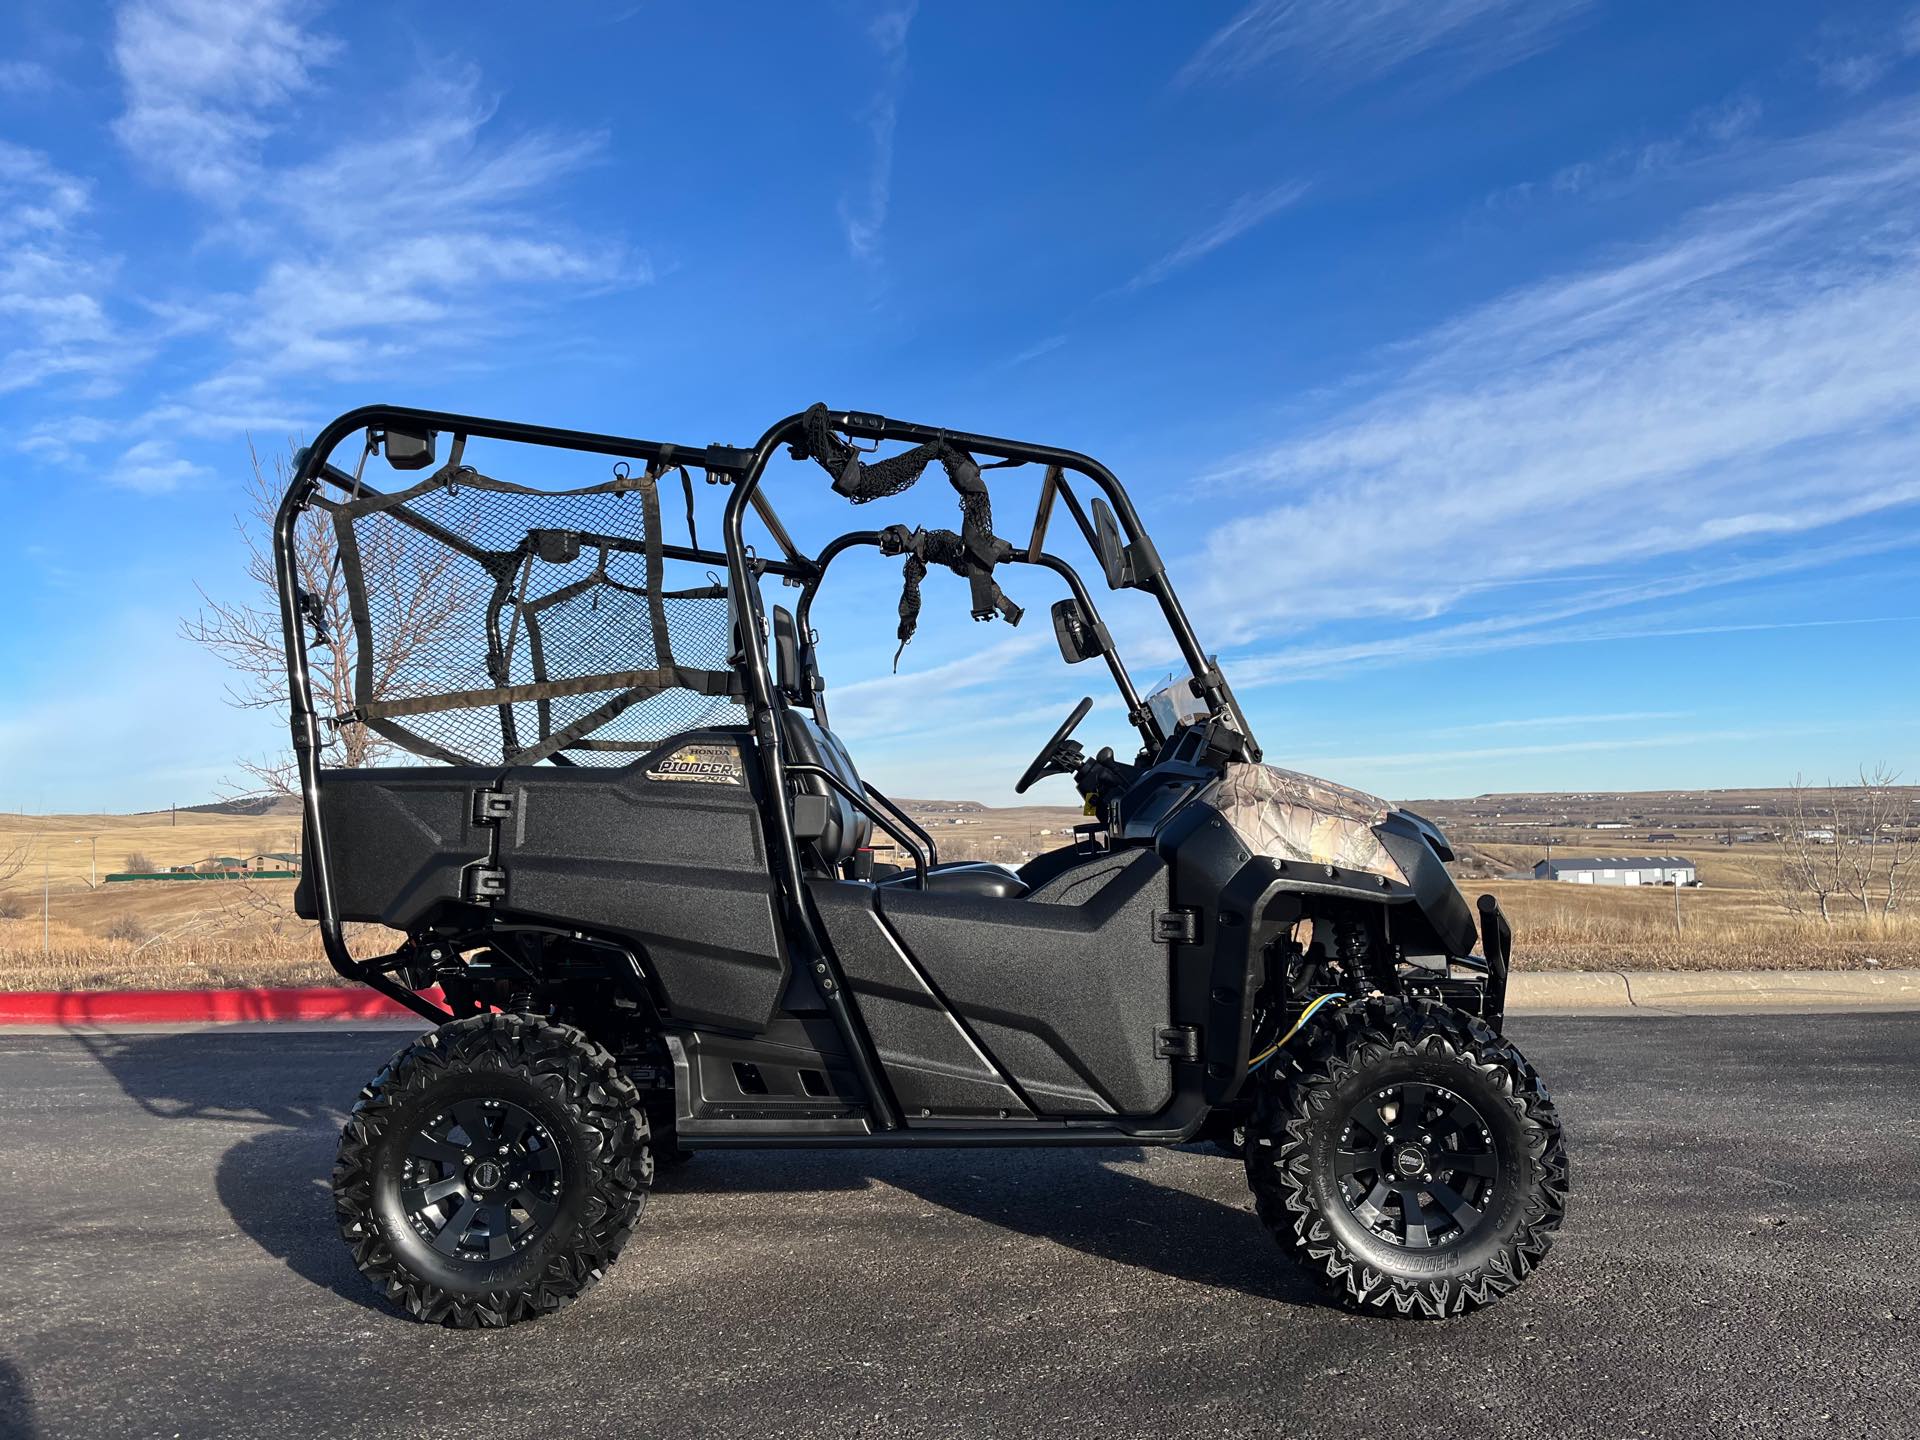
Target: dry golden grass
219,933
1580,927
167,935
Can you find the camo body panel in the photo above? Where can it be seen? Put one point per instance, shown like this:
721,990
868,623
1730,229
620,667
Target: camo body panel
1289,816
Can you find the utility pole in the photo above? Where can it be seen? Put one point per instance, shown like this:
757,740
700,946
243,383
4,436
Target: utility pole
46,909
1676,905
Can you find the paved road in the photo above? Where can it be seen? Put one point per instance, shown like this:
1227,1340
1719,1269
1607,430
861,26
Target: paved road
1741,1261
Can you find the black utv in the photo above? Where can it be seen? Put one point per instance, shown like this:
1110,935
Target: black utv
633,869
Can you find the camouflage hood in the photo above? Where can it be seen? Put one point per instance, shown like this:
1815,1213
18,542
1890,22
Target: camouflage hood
1290,816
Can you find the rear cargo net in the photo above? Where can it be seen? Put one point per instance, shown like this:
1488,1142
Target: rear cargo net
501,623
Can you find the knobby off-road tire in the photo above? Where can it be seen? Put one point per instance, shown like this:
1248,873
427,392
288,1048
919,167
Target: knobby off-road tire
492,1171
1409,1157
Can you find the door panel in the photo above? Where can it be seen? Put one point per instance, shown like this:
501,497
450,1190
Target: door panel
930,1063
1068,988
659,851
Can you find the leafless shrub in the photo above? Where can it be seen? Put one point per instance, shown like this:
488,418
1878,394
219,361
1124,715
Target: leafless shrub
126,927
13,860
139,863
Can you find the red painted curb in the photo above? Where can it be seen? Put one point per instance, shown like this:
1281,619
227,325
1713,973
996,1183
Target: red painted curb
206,1007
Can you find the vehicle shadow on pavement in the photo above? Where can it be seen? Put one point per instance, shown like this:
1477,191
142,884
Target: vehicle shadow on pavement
275,1181
1082,1199
16,1404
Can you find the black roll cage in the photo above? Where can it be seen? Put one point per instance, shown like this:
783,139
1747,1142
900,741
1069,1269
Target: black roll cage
744,470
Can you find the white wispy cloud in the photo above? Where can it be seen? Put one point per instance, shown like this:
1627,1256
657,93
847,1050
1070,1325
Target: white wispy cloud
1037,349
51,285
863,217
1700,137
203,79
1749,375
1243,215
348,277
1854,57
24,77
1597,744
1339,41
153,468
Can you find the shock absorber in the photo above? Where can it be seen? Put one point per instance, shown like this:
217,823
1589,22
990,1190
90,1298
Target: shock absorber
1360,952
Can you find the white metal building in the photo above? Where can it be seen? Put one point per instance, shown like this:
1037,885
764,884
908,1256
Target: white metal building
1618,870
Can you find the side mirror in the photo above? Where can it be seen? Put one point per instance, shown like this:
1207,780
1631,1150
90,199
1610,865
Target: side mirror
408,449
1111,549
1080,637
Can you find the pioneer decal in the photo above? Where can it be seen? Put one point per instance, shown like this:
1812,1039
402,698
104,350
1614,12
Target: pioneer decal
702,764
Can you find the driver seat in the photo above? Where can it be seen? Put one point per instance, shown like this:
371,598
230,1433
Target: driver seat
849,830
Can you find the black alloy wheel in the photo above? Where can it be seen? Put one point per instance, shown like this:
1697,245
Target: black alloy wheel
482,1180
1408,1156
493,1171
1416,1165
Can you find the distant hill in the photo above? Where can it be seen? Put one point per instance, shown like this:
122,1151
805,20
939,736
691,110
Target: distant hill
244,805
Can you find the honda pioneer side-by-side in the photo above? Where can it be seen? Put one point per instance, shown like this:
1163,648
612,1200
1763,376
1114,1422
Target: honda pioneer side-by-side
632,873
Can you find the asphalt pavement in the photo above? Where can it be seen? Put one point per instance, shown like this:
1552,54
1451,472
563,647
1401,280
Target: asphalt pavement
1740,1260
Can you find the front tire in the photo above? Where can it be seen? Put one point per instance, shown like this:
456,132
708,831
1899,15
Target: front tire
1409,1157
493,1171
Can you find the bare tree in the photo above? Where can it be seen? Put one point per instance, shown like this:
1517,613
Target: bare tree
1852,843
1810,869
1878,841
13,859
419,596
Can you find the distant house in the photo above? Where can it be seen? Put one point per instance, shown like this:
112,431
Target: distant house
274,862
1619,870
215,865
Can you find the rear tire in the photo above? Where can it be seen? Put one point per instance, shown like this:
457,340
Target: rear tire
493,1171
1409,1157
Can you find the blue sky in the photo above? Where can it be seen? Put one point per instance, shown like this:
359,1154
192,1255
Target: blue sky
1524,392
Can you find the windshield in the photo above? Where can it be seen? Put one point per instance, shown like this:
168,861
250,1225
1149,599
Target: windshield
1173,704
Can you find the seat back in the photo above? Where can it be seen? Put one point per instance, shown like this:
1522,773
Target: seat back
810,743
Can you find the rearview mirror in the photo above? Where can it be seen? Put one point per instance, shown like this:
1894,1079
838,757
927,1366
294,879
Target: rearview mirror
1080,636
1111,549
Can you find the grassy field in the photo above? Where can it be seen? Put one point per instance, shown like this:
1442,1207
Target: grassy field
212,933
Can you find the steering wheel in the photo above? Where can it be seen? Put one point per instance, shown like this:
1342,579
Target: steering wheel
1047,762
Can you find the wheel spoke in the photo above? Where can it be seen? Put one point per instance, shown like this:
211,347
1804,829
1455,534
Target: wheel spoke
1371,1209
1464,1215
1353,1162
1413,1104
544,1160
1466,1162
473,1118
431,1147
1413,1218
418,1197
1460,1119
499,1231
455,1230
539,1208
1371,1116
514,1125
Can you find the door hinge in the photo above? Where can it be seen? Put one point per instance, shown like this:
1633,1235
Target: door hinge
486,882
1182,927
1182,1042
490,807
